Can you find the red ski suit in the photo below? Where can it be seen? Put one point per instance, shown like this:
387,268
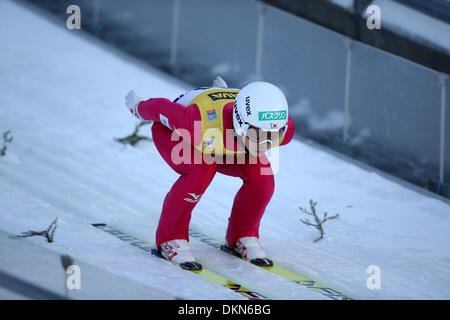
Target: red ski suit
250,201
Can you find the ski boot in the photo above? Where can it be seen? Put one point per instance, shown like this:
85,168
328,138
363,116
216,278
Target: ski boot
249,249
178,252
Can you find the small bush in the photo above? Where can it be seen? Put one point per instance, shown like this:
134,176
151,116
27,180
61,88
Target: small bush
134,138
318,222
48,234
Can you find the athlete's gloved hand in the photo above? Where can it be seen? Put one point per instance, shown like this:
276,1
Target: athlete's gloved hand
219,82
131,101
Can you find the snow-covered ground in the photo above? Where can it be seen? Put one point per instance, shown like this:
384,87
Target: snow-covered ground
62,94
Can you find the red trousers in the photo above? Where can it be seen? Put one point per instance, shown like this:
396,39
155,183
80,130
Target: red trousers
249,203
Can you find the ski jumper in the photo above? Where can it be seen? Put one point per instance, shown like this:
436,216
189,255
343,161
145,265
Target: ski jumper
202,120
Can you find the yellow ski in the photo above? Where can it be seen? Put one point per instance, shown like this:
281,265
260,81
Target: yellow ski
278,270
207,274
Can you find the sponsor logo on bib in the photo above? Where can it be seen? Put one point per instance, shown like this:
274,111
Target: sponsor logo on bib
222,95
212,115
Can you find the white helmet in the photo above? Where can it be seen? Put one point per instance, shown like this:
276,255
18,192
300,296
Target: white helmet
262,105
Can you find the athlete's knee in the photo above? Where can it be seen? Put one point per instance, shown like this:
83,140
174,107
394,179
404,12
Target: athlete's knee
201,172
262,184
267,183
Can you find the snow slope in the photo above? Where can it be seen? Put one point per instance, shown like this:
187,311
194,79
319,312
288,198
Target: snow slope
36,264
62,96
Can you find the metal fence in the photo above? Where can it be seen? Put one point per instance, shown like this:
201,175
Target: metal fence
372,105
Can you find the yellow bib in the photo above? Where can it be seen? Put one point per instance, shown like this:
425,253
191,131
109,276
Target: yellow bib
210,104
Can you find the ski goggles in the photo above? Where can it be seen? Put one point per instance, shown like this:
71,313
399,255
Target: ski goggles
260,136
